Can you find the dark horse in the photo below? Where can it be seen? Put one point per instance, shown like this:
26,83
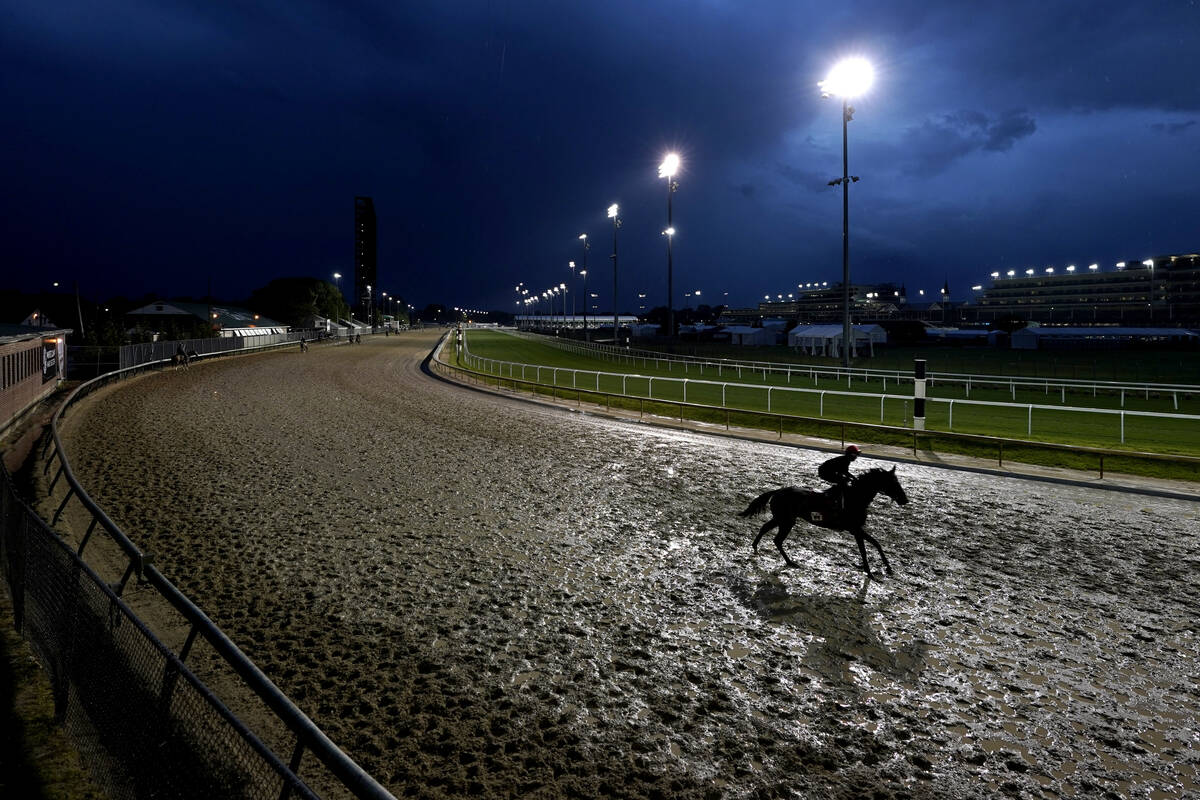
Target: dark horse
823,509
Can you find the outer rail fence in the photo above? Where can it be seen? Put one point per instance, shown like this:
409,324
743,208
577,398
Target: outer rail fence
144,723
126,696
787,372
824,428
647,383
131,355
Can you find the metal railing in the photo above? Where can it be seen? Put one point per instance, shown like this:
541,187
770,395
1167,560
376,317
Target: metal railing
786,371
497,366
144,723
791,423
305,733
132,355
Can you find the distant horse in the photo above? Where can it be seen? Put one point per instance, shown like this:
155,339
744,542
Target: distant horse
181,360
823,509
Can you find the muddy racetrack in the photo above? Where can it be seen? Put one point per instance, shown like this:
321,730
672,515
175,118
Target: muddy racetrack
476,596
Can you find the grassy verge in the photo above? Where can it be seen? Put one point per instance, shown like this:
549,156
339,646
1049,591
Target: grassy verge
860,418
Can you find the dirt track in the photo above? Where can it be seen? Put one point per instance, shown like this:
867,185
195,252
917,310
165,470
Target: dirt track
481,597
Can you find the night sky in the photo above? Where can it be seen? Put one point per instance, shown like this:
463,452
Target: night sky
155,146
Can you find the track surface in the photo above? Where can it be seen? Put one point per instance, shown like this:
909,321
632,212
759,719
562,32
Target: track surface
476,596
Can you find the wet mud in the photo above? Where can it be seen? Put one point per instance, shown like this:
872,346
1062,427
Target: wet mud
475,596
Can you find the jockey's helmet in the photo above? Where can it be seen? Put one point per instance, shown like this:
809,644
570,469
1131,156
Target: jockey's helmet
852,450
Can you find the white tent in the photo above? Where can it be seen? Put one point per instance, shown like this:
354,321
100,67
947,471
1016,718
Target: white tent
826,340
745,335
1033,337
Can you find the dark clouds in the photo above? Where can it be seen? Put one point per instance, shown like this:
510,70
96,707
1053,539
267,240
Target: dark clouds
934,144
155,145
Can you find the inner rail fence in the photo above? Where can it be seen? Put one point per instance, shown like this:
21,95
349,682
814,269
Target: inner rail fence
768,369
146,725
744,395
834,429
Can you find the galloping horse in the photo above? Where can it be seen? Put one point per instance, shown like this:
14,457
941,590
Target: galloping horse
823,509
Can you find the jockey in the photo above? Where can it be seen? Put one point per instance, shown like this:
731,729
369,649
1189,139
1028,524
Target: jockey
837,471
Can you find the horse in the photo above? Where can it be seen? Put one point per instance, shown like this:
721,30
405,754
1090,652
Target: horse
823,509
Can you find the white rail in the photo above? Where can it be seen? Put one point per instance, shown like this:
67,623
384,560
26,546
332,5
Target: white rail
498,367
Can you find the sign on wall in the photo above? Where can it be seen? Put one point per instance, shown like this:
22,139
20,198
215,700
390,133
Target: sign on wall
49,359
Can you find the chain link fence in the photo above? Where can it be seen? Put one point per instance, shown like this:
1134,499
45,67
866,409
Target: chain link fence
145,726
144,723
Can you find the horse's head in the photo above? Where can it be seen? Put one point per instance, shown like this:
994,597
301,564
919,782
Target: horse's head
890,485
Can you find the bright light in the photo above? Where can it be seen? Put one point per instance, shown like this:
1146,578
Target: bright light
1029,271
562,286
976,288
1049,270
337,276
1093,266
1149,262
571,265
612,211
582,272
995,274
922,291
669,232
1071,268
1120,265
583,236
669,166
1011,272
849,78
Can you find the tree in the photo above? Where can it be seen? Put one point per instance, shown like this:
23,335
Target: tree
295,301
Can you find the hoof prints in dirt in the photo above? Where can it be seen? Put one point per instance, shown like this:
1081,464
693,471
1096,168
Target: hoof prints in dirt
481,598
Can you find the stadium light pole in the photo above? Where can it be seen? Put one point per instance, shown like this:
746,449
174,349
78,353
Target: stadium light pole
587,337
571,266
612,214
848,79
337,281
667,169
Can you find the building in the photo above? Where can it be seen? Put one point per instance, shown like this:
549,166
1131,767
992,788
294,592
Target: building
32,365
1159,291
365,257
179,317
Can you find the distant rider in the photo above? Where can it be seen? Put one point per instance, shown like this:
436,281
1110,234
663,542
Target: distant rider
837,471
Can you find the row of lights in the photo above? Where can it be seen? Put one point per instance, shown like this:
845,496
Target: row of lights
1149,262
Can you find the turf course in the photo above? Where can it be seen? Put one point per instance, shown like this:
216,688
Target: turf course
749,392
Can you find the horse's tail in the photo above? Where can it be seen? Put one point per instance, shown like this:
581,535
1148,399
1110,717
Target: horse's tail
759,504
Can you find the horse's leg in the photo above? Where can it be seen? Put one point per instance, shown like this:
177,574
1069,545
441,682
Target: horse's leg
771,523
862,550
864,535
784,529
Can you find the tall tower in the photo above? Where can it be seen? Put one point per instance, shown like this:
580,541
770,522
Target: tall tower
365,265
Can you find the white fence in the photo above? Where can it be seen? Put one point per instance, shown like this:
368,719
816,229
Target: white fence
630,384
133,355
1059,386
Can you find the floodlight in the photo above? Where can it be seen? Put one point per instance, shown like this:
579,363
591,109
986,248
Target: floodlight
849,78
669,166
612,211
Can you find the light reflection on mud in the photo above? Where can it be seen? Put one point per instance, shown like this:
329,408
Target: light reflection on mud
498,600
